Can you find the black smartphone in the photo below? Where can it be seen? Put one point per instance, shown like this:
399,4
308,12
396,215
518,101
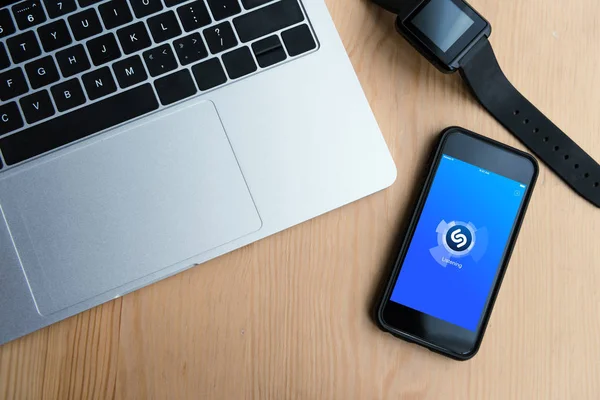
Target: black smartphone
452,261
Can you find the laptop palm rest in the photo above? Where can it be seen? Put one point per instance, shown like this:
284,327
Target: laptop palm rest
127,206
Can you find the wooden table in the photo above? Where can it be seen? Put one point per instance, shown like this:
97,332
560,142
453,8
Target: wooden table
287,317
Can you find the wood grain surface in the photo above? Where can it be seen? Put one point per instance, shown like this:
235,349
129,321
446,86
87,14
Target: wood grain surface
287,317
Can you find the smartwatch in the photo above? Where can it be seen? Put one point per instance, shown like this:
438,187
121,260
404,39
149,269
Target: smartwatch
454,37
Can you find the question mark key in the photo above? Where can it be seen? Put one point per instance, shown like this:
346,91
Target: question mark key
220,37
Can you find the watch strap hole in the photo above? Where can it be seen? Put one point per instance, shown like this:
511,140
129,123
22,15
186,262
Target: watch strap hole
482,73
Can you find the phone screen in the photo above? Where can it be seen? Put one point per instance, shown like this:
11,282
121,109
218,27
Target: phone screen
459,242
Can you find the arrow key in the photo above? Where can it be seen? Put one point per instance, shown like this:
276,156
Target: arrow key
160,60
190,49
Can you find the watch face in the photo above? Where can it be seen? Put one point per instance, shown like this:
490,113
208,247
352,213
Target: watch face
445,27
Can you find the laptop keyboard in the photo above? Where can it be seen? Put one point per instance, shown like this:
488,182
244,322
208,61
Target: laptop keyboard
73,68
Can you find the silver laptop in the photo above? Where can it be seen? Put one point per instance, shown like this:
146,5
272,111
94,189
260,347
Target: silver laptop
139,138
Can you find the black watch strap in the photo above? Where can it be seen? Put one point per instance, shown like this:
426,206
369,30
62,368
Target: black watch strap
480,70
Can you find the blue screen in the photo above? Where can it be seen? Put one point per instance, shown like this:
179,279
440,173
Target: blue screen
460,239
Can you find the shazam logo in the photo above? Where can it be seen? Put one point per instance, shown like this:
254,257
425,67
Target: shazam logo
456,240
459,238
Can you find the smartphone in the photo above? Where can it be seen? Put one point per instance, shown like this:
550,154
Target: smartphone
458,245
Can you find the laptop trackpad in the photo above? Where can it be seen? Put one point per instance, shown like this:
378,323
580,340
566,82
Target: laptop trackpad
127,206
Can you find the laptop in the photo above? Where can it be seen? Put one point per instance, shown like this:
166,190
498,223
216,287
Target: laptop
139,138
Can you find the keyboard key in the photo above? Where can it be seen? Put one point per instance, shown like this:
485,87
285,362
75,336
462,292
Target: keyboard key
68,94
85,3
222,9
79,124
37,106
12,84
4,60
6,24
41,72
190,49
58,8
239,62
298,40
134,37
103,49
194,16
164,26
130,71
268,19
160,60
54,35
220,37
248,4
72,60
175,87
142,8
99,83
10,118
209,74
268,51
115,13
85,24
23,47
29,13
171,3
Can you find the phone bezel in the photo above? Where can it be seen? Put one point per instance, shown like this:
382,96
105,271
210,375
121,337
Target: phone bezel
435,334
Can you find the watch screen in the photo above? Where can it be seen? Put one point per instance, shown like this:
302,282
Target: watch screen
443,22
459,242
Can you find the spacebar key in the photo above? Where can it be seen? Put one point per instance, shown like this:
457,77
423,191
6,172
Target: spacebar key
78,124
